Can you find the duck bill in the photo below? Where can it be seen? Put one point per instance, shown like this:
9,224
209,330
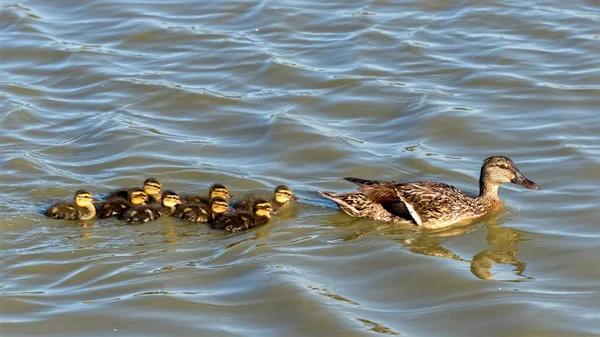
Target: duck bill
293,197
95,201
273,211
520,179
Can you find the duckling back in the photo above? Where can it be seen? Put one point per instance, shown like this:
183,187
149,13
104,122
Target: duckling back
67,210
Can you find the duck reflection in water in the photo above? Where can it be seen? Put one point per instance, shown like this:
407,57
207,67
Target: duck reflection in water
504,239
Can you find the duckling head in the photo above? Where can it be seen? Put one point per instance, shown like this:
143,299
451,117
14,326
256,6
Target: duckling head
262,207
219,205
137,196
499,169
84,198
283,194
218,190
170,199
153,187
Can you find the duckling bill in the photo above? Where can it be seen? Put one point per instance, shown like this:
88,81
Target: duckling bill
426,203
81,208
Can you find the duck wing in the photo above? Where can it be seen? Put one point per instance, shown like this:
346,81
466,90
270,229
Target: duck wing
63,210
140,214
357,204
424,200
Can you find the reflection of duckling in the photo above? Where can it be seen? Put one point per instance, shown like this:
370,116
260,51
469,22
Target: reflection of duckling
118,205
216,190
281,196
145,213
152,187
204,213
81,208
237,221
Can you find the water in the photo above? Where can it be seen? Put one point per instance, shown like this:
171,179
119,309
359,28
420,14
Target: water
102,94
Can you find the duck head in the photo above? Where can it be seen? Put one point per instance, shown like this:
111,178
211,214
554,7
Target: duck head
218,190
137,196
283,194
499,169
262,208
84,198
219,205
170,199
153,188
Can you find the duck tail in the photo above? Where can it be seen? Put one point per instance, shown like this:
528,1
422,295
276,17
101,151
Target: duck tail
362,182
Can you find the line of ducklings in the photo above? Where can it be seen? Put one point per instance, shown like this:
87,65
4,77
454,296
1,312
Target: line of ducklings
150,202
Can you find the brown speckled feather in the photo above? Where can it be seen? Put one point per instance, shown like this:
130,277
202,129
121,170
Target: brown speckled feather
357,204
437,204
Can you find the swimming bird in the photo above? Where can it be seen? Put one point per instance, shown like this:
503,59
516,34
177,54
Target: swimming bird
152,188
118,205
427,203
237,221
81,208
281,196
202,212
149,212
216,190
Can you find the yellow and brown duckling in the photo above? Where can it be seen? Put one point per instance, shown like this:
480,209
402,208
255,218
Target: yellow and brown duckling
152,188
237,221
81,208
430,204
281,196
118,206
202,213
216,190
149,212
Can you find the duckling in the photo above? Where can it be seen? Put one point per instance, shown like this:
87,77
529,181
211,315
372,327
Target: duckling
237,221
81,208
281,196
118,205
152,188
216,190
153,211
202,213
430,204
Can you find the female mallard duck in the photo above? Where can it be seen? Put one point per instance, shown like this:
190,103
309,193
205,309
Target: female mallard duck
430,204
281,196
81,208
204,213
153,211
118,205
152,188
216,190
237,221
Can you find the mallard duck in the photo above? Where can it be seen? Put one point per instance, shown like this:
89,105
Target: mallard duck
81,208
237,221
426,203
153,211
216,190
118,205
281,196
152,188
203,213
